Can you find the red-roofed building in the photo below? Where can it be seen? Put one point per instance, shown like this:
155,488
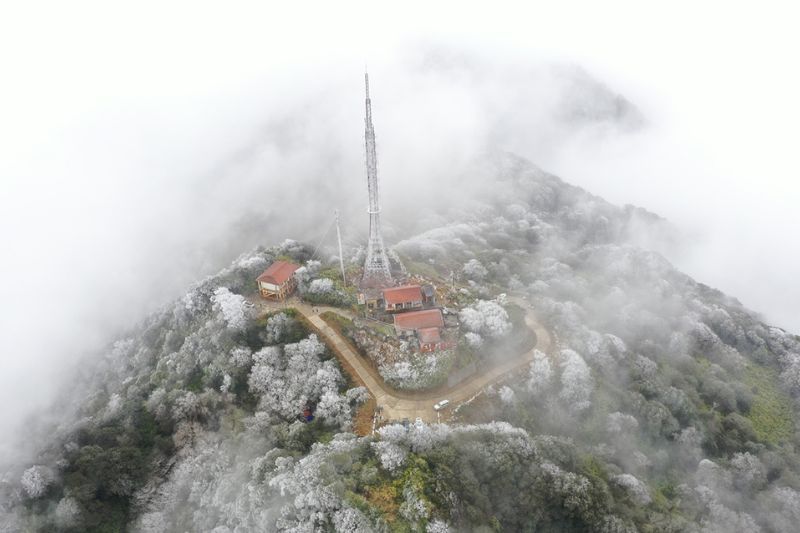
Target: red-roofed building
429,339
429,335
406,323
402,298
426,325
278,281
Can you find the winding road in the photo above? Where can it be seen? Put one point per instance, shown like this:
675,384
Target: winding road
397,405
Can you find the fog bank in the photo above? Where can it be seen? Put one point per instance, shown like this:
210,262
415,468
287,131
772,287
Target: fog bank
143,148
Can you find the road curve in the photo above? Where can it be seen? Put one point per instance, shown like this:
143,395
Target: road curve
397,405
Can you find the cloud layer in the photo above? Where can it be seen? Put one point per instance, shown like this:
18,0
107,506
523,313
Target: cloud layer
145,148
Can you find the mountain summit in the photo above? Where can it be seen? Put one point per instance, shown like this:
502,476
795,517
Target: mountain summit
660,404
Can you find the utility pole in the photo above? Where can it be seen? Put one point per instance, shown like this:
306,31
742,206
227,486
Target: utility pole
339,238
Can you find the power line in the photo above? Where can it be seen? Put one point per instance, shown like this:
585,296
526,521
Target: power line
323,239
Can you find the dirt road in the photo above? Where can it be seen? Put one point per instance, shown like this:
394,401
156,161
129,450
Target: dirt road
397,405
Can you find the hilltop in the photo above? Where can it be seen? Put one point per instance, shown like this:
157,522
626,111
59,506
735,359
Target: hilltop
663,404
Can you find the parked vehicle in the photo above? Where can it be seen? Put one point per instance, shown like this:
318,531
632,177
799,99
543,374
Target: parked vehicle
441,405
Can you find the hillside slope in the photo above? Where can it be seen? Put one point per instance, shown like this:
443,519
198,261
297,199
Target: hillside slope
667,406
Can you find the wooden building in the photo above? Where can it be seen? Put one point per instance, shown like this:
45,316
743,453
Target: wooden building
403,298
278,282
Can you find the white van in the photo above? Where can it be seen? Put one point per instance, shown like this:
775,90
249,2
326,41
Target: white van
441,405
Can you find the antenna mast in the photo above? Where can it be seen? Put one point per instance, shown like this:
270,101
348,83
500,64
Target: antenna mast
376,266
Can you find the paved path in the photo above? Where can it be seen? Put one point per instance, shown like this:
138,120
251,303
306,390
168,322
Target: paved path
398,405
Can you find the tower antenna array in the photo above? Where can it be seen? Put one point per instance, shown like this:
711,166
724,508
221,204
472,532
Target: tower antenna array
376,266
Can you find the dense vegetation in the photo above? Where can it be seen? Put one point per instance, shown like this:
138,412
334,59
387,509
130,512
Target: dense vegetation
665,406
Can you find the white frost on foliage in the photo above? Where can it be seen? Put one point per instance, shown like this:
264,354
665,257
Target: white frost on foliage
287,379
487,318
437,526
748,471
113,407
321,286
710,474
574,487
418,371
227,381
36,479
506,394
249,262
349,520
391,455
240,356
621,423
576,381
784,505
636,489
276,327
474,270
334,408
67,512
541,373
215,486
413,507
313,482
234,308
721,519
474,340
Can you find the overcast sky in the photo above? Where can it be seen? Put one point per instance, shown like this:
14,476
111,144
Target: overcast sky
114,115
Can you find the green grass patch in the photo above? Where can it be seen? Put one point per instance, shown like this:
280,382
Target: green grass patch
771,411
380,328
341,324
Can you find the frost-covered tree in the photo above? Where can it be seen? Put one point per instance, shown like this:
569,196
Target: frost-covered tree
289,378
391,455
67,513
748,472
621,423
234,308
277,327
320,286
314,483
36,479
506,394
437,526
576,381
487,318
350,520
474,270
540,375
635,488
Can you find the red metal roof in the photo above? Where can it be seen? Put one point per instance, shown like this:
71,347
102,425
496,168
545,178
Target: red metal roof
429,318
278,272
406,293
427,335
